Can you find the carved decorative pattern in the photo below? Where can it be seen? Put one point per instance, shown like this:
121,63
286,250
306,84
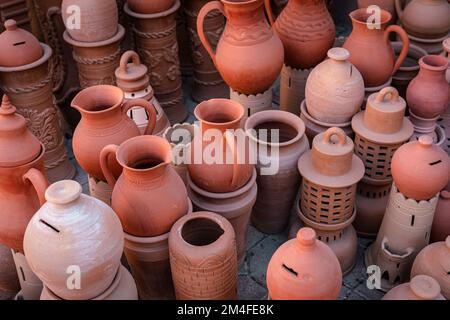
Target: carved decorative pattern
198,52
30,88
155,35
154,59
247,34
102,60
86,82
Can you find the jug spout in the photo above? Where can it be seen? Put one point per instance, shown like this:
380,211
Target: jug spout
97,99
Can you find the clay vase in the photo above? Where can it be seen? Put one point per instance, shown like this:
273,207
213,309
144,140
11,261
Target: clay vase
61,235
307,31
98,20
133,79
420,169
147,7
278,178
368,41
434,261
104,121
249,55
219,117
428,94
149,196
203,257
426,19
9,283
304,269
420,288
441,222
334,89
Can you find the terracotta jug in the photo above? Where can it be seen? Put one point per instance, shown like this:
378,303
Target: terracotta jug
62,234
304,269
441,222
388,5
426,19
428,94
219,116
434,261
249,55
367,41
104,121
149,196
420,288
420,169
98,19
148,7
334,89
307,31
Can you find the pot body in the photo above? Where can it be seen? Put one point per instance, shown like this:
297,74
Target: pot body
146,7
441,222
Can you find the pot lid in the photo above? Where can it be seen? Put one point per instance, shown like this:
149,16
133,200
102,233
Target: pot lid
19,47
384,119
18,146
425,287
132,76
331,161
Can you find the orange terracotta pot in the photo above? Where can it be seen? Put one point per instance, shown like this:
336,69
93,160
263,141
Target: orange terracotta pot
147,7
441,222
366,41
149,196
104,121
420,288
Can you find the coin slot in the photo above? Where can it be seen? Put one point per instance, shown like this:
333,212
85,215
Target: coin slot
435,163
49,225
19,43
290,270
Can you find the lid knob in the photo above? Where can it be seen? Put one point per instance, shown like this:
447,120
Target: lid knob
425,141
6,108
306,236
10,25
63,192
425,287
338,54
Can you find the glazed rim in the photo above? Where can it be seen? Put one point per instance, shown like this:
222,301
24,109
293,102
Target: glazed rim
361,16
141,148
434,63
278,116
92,97
207,110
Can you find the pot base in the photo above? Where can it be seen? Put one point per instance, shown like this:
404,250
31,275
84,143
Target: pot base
292,88
100,190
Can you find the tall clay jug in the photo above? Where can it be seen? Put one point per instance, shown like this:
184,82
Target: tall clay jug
307,31
249,55
104,121
370,49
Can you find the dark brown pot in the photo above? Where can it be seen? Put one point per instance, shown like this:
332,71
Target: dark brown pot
184,53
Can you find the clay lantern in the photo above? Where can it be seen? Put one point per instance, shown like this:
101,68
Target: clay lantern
420,288
304,269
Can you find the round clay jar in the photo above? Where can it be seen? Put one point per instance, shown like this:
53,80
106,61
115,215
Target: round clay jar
74,233
304,269
420,169
441,222
420,288
150,6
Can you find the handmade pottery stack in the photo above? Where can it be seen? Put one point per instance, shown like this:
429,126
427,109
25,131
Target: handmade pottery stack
95,35
226,186
326,201
444,121
25,78
280,140
74,260
420,170
103,121
334,93
421,287
307,31
426,22
380,130
22,186
428,97
149,197
154,28
133,79
203,257
249,54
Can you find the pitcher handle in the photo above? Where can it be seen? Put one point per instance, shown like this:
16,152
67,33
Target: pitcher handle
106,152
399,8
232,143
151,111
39,183
405,40
206,9
269,11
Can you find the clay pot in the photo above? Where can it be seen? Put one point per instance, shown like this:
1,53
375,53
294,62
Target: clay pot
307,31
249,54
63,228
8,275
104,121
388,5
217,116
132,78
292,88
122,288
441,223
428,94
98,20
278,178
235,206
434,261
420,169
334,89
149,196
420,288
146,7
424,18
367,41
296,267
203,257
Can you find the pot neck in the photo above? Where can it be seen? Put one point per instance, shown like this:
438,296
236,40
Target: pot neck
146,176
102,119
244,13
362,29
426,72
